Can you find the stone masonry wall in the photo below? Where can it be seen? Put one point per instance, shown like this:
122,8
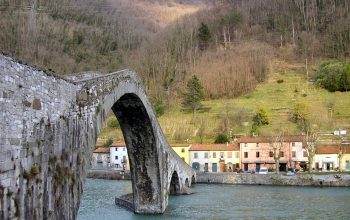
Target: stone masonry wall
275,179
48,129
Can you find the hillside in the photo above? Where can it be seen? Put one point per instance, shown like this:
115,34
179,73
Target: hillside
236,48
234,115
81,35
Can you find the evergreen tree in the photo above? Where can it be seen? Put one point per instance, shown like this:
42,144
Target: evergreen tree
204,36
193,95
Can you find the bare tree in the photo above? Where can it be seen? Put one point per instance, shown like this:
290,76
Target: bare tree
309,144
342,150
201,132
277,147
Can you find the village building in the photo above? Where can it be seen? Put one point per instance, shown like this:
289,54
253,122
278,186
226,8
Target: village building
100,158
258,151
214,157
119,159
345,157
326,158
183,151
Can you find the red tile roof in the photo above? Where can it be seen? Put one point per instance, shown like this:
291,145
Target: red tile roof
269,139
118,144
214,147
102,150
332,149
179,145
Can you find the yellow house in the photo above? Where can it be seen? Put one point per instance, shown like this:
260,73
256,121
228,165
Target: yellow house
345,159
182,150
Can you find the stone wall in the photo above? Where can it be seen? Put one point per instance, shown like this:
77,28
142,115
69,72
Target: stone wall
49,126
275,179
108,175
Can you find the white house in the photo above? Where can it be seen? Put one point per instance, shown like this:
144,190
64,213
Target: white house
119,156
326,158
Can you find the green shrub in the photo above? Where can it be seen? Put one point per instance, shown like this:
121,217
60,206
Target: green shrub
113,122
159,108
261,118
221,139
108,143
334,76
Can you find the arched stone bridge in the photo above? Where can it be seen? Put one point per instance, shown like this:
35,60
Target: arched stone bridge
48,130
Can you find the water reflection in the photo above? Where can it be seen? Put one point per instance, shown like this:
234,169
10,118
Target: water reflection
223,202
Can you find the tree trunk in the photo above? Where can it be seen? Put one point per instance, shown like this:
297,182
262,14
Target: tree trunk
310,161
277,166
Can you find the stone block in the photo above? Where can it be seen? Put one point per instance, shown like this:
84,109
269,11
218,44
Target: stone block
37,104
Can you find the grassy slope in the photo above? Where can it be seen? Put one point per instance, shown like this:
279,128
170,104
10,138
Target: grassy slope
277,98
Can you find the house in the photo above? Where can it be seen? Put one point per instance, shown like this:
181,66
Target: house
326,158
100,158
214,157
345,158
183,151
258,151
119,156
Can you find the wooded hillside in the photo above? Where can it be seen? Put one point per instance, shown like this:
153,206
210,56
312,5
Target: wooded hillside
168,47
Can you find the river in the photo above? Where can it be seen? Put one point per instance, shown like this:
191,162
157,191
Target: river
214,201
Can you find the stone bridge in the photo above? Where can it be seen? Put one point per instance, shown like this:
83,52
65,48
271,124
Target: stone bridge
48,129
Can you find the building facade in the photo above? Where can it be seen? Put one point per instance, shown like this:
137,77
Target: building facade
100,158
214,157
326,158
259,151
119,159
183,151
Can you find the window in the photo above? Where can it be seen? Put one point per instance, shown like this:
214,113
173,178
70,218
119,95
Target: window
237,154
245,145
245,154
183,150
116,149
222,155
294,154
123,148
257,144
305,153
116,157
229,154
257,154
214,154
195,155
237,165
206,155
282,154
270,154
293,144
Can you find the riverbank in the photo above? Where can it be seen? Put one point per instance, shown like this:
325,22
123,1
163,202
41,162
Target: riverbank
301,179
108,175
275,179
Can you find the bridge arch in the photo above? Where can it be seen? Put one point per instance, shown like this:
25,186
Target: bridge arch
141,145
174,188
